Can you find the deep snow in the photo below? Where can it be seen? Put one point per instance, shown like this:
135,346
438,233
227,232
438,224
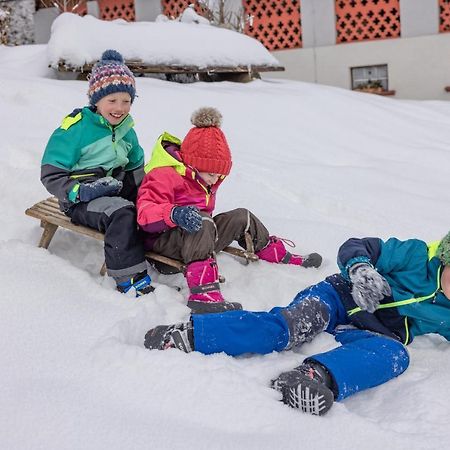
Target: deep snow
318,165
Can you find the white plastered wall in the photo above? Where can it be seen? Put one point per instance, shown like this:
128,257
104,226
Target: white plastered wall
418,68
418,62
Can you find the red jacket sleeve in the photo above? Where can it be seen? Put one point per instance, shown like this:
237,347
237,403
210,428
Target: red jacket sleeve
156,199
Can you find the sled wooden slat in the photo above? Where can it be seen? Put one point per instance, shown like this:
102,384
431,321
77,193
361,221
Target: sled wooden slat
50,215
48,212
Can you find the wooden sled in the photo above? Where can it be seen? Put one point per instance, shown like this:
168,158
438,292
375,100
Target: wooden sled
48,212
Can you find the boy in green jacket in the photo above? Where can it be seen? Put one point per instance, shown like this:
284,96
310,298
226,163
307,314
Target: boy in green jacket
93,164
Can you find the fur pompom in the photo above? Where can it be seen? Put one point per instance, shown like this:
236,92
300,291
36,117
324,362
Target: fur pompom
206,117
443,250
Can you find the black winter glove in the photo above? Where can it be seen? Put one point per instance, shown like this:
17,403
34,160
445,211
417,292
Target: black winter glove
187,217
369,287
106,186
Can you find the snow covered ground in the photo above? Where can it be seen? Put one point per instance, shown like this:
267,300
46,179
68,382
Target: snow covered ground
318,165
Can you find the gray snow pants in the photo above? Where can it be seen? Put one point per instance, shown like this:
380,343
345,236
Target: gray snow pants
116,217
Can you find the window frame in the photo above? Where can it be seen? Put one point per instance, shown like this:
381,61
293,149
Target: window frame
379,80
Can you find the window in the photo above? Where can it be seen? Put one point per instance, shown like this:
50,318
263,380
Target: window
370,77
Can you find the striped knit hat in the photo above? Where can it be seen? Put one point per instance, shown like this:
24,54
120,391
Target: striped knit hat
443,251
110,75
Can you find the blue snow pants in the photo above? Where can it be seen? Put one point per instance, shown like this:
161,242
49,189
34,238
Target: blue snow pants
363,360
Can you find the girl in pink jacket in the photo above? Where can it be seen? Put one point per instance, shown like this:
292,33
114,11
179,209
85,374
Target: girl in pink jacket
175,205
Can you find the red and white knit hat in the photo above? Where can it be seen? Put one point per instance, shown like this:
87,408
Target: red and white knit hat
205,147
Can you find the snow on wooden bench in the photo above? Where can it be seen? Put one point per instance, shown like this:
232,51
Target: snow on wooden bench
48,212
238,73
170,48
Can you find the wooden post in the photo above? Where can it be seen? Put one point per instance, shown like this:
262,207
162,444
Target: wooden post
47,234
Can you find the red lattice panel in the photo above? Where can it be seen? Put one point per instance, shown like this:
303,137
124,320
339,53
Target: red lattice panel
444,16
360,20
173,8
277,24
117,9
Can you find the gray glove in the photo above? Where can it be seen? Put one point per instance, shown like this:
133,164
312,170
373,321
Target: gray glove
106,186
369,287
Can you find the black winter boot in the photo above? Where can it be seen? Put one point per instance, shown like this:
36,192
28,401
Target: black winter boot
198,307
180,336
307,387
312,260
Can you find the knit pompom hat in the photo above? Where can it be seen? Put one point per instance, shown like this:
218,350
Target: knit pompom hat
205,147
443,251
110,75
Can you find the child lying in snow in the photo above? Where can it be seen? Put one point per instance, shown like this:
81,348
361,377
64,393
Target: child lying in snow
391,291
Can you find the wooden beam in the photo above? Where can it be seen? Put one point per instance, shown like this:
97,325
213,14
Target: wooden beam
141,67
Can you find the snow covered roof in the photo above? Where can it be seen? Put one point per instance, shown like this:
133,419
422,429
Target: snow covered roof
81,40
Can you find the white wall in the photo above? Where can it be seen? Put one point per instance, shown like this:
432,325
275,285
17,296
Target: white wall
43,19
318,23
419,17
418,63
93,9
147,10
419,67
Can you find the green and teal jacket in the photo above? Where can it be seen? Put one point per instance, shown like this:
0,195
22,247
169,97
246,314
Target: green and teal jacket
86,147
413,272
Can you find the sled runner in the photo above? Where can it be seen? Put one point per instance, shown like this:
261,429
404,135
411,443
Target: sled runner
48,212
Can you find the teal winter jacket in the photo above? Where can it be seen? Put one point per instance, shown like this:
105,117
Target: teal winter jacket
413,272
86,147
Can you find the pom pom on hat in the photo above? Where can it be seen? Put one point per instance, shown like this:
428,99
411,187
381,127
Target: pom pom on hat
205,147
443,251
206,117
110,75
111,57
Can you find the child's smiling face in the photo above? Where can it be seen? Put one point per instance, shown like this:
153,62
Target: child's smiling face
114,107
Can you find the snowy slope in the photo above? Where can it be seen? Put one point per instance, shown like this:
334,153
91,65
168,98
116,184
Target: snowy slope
317,165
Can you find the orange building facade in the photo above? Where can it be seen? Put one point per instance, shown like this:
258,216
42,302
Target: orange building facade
278,24
382,44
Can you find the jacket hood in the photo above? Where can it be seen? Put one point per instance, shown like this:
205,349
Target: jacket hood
162,158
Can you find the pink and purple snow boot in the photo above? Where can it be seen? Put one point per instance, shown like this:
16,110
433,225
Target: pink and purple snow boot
205,296
275,252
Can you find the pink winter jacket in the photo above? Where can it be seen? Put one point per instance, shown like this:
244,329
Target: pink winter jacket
169,182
